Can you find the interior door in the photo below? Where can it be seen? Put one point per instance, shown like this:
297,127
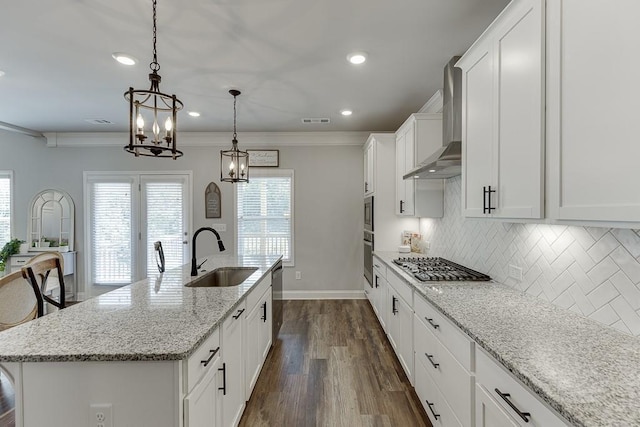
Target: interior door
165,213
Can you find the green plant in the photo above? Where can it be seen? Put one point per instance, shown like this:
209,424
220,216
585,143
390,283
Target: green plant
12,247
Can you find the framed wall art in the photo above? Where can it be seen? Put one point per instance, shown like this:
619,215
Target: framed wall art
264,158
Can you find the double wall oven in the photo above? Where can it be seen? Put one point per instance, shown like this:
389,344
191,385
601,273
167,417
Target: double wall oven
368,239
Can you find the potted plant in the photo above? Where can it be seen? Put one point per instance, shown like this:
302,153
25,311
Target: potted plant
12,247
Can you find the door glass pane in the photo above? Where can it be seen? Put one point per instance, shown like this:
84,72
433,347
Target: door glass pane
5,210
165,223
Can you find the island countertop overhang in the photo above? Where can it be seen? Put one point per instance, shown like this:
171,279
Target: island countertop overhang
155,319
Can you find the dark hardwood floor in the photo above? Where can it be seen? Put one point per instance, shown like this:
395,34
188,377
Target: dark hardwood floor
332,366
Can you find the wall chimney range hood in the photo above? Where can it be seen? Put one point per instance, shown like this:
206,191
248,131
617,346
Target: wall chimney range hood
447,161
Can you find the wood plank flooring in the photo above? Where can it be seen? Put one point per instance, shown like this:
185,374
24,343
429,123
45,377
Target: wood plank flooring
332,366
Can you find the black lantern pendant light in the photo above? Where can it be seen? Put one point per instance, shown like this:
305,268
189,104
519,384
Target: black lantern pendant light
155,108
234,164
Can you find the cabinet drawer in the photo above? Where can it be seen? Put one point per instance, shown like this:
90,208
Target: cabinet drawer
255,296
401,287
18,261
450,336
454,382
379,268
196,363
433,401
491,376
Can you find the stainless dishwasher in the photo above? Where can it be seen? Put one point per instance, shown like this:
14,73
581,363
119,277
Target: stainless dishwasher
276,284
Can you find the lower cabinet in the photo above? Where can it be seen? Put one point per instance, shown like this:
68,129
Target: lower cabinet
232,369
502,401
203,406
400,327
259,340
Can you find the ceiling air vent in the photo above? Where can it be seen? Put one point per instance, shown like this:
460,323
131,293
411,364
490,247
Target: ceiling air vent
316,120
98,121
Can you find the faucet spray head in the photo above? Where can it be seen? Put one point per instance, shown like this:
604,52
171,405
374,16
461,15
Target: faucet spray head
220,245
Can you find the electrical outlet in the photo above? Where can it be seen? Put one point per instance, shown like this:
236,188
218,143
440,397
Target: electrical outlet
515,272
298,275
101,415
219,227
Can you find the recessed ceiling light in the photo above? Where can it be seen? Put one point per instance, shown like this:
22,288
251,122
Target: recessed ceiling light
357,58
1,73
124,58
432,170
194,114
346,112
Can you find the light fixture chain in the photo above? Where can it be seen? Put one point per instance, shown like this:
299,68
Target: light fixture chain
235,135
154,65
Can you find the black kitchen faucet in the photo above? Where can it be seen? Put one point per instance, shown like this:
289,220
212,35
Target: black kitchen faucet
194,264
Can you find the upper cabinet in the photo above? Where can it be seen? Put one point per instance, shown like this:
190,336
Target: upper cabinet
592,117
418,137
503,89
369,167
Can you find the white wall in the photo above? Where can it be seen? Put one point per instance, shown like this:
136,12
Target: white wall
328,198
592,271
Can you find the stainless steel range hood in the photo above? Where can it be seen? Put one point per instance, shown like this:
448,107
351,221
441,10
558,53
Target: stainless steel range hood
447,161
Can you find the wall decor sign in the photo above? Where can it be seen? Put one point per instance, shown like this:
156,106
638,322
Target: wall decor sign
264,158
212,201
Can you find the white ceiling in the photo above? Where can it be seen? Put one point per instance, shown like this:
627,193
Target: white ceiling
288,57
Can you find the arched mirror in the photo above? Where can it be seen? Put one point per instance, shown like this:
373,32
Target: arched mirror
51,222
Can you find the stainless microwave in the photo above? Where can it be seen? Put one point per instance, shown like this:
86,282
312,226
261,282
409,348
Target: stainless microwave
368,213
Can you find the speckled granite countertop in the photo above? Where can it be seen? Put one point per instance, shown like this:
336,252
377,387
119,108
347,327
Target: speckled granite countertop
155,319
586,371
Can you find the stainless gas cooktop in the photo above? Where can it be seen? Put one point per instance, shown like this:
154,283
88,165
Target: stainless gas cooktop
429,269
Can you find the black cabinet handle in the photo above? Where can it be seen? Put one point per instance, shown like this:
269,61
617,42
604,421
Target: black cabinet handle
366,187
430,357
377,282
213,353
505,396
401,206
486,200
224,379
237,316
394,310
436,416
435,325
264,312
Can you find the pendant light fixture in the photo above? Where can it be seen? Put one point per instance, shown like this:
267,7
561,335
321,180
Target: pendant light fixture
152,107
234,163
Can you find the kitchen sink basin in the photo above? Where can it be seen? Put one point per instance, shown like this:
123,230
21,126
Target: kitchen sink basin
222,277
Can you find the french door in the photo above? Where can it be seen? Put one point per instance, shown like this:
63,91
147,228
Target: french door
125,214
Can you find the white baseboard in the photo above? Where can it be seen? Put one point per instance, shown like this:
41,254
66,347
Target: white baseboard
301,295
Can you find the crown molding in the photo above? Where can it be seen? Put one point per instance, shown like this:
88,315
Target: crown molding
214,139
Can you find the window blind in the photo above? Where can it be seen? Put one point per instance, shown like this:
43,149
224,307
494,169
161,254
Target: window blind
164,203
111,233
265,216
5,208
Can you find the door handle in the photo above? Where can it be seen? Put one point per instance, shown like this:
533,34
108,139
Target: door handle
224,379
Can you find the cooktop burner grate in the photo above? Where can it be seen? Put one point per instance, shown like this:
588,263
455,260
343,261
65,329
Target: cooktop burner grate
432,269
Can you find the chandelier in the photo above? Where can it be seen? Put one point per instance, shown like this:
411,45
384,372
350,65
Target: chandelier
234,163
152,107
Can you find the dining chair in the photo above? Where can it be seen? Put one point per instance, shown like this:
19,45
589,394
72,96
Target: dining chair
45,272
20,301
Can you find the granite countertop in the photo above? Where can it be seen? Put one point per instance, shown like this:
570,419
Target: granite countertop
587,372
154,319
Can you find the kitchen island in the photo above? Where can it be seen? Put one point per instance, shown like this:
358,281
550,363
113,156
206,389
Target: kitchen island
127,348
588,373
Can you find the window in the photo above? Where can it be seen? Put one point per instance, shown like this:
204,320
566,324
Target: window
264,210
126,214
5,206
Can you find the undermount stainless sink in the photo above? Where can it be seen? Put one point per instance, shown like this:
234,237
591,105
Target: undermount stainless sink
222,277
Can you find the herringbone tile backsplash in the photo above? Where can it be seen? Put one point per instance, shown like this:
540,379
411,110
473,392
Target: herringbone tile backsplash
592,271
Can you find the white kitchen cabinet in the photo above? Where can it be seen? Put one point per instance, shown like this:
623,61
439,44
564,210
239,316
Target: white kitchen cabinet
592,117
378,291
259,321
435,405
232,382
503,90
369,167
203,405
400,322
418,137
503,400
